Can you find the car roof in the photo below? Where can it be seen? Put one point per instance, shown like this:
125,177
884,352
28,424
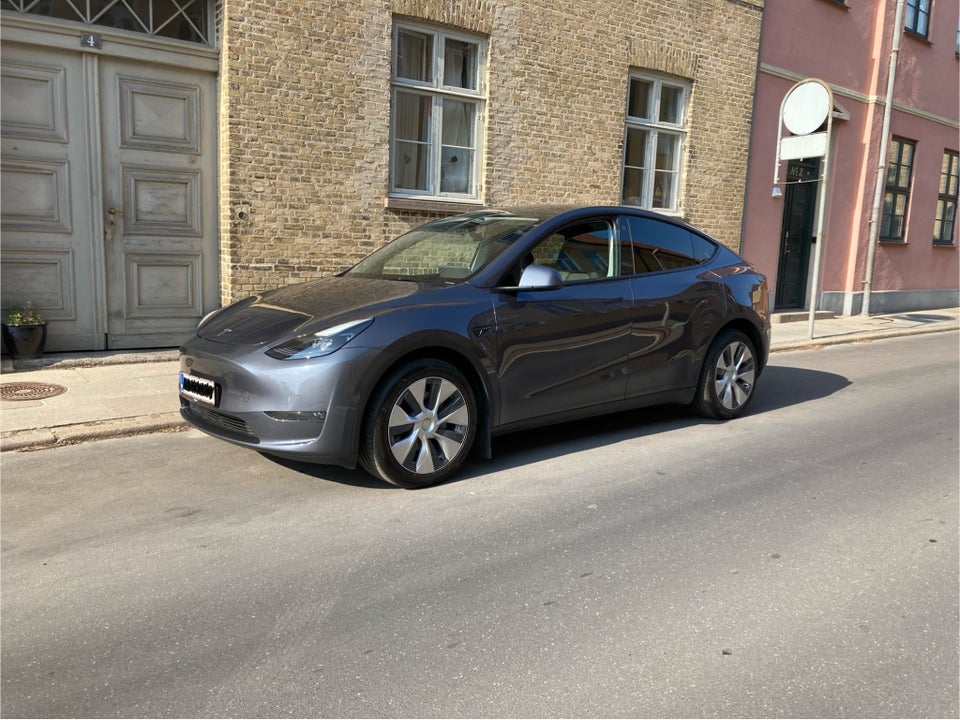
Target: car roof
541,212
546,212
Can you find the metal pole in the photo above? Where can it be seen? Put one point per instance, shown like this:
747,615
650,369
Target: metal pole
874,230
821,213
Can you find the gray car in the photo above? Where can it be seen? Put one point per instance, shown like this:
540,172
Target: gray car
477,325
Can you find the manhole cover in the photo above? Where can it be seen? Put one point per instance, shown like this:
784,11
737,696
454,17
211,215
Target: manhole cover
30,391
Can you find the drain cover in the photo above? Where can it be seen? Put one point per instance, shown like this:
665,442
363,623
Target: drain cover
30,391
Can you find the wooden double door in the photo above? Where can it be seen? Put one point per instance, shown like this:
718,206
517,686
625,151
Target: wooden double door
109,187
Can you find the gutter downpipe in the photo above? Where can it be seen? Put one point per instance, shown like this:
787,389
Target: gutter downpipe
882,163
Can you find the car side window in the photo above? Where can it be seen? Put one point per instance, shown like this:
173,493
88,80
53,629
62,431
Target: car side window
659,245
585,250
703,249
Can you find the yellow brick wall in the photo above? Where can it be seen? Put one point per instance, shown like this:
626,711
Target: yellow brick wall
305,116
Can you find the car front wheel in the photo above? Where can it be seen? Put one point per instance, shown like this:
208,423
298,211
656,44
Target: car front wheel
728,378
421,425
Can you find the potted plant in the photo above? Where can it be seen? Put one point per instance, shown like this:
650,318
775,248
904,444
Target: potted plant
24,331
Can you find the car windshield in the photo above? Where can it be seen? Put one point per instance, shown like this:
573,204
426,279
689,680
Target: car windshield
444,251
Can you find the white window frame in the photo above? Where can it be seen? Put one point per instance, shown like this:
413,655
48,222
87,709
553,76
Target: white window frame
655,128
438,92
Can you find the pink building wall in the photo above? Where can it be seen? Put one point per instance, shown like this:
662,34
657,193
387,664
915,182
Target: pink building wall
848,46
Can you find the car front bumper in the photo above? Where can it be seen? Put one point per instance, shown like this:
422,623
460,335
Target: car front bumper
301,409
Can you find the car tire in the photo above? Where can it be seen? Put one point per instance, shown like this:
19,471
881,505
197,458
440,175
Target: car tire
728,377
420,425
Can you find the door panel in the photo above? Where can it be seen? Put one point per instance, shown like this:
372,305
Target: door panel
563,349
49,254
676,314
678,305
159,202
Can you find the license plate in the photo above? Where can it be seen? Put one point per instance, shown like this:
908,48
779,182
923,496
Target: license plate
198,388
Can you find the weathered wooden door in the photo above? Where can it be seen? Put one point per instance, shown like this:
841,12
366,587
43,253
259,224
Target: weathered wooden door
109,191
159,201
50,255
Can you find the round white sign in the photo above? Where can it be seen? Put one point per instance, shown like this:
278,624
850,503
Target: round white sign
806,107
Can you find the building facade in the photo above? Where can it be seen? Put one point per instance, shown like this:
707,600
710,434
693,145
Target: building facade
898,240
156,167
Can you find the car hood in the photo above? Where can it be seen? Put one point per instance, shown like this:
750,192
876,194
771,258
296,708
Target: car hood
298,309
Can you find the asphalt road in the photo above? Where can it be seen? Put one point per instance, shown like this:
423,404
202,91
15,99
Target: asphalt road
801,561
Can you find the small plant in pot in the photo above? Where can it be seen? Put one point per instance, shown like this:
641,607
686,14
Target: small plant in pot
24,331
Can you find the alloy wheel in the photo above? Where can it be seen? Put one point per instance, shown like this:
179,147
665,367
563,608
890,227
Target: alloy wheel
428,425
735,375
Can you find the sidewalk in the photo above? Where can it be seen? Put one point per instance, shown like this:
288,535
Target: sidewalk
111,394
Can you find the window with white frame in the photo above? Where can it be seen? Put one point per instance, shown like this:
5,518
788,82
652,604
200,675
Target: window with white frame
437,120
653,146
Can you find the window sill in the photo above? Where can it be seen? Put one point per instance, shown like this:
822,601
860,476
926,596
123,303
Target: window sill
925,39
432,206
892,243
949,245
666,212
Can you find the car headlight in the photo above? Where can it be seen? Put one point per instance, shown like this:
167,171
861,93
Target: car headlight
320,343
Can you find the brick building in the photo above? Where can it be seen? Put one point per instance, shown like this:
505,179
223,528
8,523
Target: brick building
254,144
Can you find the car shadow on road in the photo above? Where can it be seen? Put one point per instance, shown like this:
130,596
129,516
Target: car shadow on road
782,387
356,478
779,388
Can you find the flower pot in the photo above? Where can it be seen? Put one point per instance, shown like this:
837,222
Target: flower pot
25,342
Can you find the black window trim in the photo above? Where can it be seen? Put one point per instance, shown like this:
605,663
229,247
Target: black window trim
948,198
898,190
913,31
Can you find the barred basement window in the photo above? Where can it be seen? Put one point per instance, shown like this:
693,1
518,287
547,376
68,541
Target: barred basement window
177,19
437,114
653,147
897,197
945,222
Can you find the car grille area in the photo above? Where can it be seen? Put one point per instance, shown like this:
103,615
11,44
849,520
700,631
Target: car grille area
219,423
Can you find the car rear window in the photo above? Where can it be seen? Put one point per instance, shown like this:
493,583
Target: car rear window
659,245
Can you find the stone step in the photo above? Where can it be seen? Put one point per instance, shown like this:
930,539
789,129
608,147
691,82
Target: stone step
799,316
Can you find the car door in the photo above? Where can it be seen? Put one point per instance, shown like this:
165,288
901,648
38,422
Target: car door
678,305
564,349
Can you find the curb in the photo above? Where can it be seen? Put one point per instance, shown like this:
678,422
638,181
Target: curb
858,337
65,361
61,435
44,438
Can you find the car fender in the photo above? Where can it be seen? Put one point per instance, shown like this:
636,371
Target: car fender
465,353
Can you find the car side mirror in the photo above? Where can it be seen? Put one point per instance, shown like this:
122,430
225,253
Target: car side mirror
537,277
